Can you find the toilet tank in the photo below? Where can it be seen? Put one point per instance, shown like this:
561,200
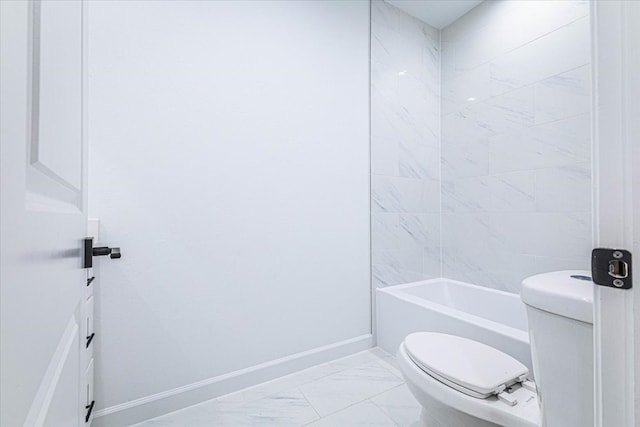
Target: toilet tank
560,313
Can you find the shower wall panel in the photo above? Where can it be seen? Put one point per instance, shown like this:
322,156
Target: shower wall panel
405,147
516,174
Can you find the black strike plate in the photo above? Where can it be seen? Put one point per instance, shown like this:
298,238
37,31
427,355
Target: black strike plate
612,268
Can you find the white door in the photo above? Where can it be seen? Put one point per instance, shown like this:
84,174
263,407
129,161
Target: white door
43,213
616,51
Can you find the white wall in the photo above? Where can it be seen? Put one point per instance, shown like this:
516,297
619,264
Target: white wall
405,147
516,175
229,159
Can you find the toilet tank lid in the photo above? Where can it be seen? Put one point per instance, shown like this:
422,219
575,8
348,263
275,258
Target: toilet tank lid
479,370
566,293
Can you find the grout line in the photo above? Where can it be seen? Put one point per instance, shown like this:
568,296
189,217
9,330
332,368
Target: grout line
357,403
312,407
360,401
382,408
460,106
490,60
394,422
377,360
304,382
386,366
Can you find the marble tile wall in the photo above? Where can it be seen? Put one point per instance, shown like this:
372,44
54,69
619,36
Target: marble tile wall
405,147
516,176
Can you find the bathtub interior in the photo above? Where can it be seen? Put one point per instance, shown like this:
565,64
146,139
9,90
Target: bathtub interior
501,307
492,317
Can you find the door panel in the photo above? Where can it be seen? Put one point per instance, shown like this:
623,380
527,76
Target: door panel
56,403
54,174
56,140
43,214
63,409
616,67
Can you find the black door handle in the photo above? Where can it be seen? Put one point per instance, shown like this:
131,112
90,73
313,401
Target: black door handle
90,252
104,250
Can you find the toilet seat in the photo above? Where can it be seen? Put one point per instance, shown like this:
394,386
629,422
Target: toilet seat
426,387
468,366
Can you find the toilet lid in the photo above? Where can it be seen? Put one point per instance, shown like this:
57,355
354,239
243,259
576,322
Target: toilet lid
468,366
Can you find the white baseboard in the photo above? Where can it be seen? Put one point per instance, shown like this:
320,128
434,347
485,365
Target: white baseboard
138,410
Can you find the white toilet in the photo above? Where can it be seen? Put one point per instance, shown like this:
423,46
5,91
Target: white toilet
464,383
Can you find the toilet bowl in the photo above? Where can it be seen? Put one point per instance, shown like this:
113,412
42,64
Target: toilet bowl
466,396
464,383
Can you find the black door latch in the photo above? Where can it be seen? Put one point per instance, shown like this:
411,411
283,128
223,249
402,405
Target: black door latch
611,267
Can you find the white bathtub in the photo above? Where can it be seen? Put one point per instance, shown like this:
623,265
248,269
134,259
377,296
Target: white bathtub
493,317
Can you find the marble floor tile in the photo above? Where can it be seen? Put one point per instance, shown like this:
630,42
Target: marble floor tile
354,360
399,405
380,353
364,389
387,361
188,417
361,414
287,382
288,409
340,390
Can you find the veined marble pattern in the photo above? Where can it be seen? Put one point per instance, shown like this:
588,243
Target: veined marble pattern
405,146
558,52
516,174
479,36
365,389
502,189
